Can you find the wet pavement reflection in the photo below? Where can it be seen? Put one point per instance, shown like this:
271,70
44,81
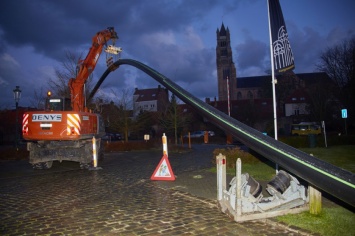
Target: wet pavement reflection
120,199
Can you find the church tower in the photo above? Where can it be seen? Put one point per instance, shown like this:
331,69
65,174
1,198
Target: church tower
225,66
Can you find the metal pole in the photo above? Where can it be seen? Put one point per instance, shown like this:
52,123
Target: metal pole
16,126
189,140
17,96
325,135
273,81
228,97
346,130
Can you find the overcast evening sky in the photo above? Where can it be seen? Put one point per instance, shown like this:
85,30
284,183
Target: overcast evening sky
175,37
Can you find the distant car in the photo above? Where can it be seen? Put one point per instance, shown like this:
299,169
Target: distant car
195,134
112,137
118,136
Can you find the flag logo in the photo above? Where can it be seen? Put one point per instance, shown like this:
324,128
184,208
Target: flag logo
281,48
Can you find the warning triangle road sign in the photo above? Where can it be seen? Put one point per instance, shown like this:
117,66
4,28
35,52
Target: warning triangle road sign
163,170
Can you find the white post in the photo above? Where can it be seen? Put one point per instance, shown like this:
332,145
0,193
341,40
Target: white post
165,145
239,188
94,151
221,175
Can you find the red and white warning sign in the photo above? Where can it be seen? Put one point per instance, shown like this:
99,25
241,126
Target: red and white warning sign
163,170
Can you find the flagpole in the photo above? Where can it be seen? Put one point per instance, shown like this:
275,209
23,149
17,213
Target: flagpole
273,80
228,98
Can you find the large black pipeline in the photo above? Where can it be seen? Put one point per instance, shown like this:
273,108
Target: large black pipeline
333,180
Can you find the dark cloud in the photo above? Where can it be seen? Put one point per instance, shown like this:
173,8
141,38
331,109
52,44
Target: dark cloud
50,26
251,54
305,46
308,44
176,38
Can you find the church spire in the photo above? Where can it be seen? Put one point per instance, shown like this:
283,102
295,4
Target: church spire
223,31
225,65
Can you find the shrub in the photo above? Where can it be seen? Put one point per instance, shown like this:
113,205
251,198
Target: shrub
122,146
232,154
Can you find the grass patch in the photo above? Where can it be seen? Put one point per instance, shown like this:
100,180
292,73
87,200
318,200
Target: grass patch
341,156
332,221
259,171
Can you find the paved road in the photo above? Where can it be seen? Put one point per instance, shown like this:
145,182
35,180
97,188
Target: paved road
120,199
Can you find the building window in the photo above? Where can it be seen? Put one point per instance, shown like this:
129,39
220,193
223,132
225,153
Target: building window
250,95
294,99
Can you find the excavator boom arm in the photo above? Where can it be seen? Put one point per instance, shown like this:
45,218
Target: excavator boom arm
86,67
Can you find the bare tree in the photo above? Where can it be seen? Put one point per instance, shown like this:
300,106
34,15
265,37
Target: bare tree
322,98
38,98
339,63
117,114
59,85
174,119
144,123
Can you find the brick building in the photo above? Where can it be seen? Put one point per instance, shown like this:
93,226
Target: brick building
152,99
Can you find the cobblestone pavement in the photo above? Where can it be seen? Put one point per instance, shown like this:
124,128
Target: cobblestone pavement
120,199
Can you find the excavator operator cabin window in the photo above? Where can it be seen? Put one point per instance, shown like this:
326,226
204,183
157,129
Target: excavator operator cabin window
58,104
54,104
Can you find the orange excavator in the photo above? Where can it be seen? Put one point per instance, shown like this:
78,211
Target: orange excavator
64,131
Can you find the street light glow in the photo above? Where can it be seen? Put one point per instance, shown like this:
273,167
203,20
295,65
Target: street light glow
17,94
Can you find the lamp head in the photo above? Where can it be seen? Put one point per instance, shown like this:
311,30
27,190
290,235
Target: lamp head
17,93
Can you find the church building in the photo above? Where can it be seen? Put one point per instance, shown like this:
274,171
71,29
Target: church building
241,97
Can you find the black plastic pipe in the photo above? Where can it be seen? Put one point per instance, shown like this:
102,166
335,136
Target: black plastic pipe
333,180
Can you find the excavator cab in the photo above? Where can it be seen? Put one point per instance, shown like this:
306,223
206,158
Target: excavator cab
57,104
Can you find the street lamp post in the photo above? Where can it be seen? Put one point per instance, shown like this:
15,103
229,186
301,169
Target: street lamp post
17,96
